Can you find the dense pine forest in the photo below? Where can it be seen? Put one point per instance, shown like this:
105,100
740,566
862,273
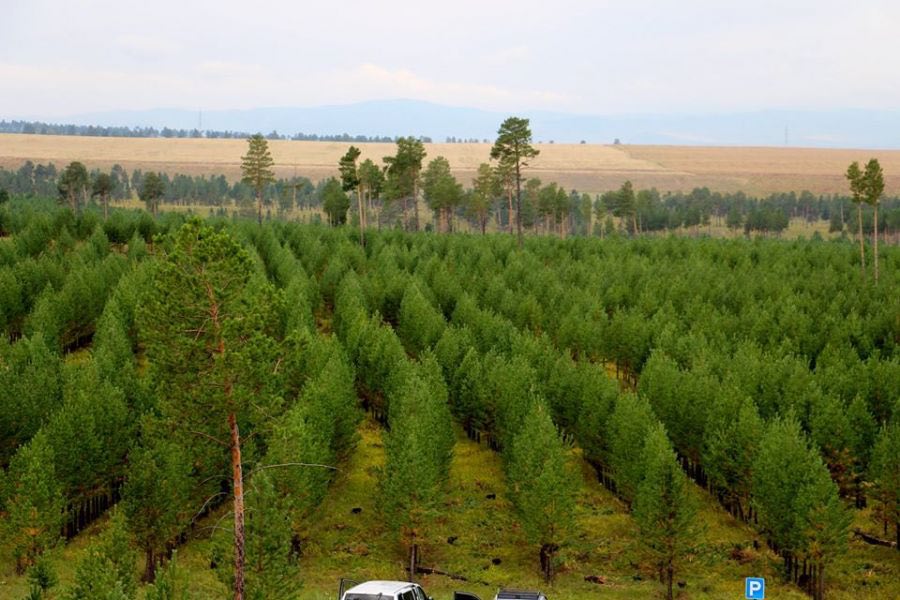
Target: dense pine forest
732,405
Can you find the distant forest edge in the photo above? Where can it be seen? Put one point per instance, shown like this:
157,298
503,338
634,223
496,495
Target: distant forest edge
41,128
547,208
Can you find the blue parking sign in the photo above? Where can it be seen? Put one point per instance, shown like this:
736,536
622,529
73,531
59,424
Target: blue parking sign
755,588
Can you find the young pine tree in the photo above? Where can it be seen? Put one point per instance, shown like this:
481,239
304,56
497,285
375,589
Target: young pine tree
664,509
885,475
35,502
542,484
418,448
156,499
629,424
107,571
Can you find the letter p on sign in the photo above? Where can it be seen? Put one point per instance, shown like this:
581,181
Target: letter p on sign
755,588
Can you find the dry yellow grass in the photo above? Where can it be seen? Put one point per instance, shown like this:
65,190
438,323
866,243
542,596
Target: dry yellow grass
588,167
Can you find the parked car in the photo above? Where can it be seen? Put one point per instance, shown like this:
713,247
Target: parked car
381,590
406,590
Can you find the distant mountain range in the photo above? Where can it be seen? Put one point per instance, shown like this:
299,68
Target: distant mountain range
851,128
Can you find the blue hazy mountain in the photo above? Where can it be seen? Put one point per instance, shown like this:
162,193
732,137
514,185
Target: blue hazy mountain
829,128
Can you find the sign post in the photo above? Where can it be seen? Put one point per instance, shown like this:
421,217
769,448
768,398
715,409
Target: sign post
755,588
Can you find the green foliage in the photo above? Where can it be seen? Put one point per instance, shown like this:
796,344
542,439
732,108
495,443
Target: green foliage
513,150
256,168
42,578
630,423
542,483
156,498
885,473
207,325
442,192
797,503
152,189
30,380
347,165
107,571
268,529
335,202
420,325
664,509
171,583
90,432
730,448
418,448
34,501
73,183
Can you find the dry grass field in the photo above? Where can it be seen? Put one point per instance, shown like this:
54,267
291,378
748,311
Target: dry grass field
589,167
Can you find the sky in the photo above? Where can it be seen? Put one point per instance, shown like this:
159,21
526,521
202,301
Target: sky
61,57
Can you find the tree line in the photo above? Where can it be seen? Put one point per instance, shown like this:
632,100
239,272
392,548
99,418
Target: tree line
42,128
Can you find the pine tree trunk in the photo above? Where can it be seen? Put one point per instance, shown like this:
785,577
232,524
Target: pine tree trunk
105,207
149,566
416,200
876,243
670,576
413,560
259,206
238,484
519,204
362,218
862,245
509,210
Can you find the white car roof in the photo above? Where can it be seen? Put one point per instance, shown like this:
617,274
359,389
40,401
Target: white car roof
380,587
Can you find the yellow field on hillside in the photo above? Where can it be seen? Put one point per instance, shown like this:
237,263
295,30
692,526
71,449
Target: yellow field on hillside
586,167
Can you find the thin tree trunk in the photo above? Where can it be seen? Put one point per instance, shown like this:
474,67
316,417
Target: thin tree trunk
519,203
670,575
105,207
238,475
862,245
876,243
509,210
362,218
416,200
149,566
413,559
259,206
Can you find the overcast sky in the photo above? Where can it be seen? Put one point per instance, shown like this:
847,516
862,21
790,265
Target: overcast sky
62,57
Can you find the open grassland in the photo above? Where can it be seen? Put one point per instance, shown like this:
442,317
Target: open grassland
588,167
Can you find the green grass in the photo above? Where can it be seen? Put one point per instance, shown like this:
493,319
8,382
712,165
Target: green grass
339,543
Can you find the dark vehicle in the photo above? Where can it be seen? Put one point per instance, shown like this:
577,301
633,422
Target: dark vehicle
519,595
508,594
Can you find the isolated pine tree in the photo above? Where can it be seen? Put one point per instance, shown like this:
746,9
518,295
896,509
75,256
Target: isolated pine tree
256,169
664,509
542,484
